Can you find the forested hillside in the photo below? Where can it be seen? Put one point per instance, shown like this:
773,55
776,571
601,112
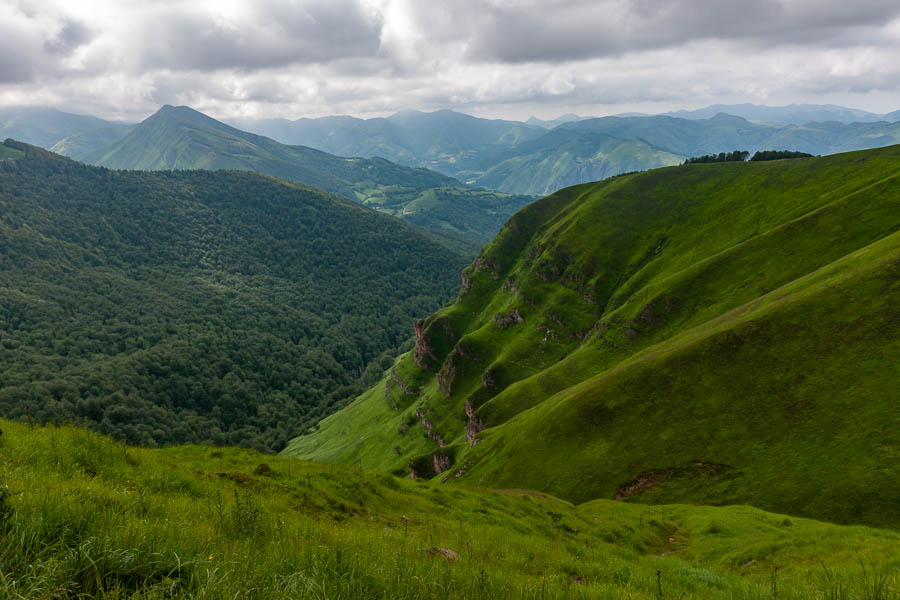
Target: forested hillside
182,138
722,333
188,306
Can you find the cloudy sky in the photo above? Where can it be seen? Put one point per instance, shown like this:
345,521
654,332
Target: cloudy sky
494,58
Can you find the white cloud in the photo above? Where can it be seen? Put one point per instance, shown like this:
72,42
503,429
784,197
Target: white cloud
493,57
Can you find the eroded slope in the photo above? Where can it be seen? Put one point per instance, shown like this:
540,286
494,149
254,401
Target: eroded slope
697,333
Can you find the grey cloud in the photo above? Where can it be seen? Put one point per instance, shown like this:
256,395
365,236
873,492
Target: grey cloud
72,35
18,61
276,34
581,29
493,57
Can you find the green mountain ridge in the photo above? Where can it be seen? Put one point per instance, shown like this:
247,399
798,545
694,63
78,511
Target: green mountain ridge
182,138
691,334
189,306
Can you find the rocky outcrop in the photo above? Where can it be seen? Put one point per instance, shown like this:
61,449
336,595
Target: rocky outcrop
487,379
474,425
465,287
387,395
655,477
483,263
429,427
509,319
407,388
440,462
449,370
447,375
422,350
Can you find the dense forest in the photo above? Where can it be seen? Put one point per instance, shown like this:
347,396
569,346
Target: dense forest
169,307
742,155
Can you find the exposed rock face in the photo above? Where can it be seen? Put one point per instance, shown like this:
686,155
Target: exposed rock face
508,320
441,462
447,375
474,426
449,369
407,389
465,287
487,380
422,349
387,395
654,477
485,264
429,427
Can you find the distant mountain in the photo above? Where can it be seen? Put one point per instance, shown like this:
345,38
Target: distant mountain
197,306
566,118
685,137
182,138
783,115
526,158
449,142
81,144
508,156
68,133
564,157
723,132
698,334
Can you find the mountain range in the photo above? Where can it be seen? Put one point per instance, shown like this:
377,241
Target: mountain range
698,334
526,158
508,156
788,115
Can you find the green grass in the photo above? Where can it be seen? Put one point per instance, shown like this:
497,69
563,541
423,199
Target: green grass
8,152
736,314
84,516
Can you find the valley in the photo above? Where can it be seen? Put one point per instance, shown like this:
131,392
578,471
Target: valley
234,367
188,306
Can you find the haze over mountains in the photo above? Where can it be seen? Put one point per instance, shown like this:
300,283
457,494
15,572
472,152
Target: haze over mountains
509,156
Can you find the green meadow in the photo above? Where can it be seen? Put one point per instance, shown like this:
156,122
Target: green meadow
83,516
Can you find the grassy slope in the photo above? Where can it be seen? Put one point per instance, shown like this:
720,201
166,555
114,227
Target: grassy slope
7,152
83,516
602,272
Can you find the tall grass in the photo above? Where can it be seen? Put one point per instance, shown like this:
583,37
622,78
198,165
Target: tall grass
82,516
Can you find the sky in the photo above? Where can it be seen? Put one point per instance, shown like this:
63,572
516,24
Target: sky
491,58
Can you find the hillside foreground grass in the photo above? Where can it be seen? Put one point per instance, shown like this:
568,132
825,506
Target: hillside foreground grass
714,334
83,516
